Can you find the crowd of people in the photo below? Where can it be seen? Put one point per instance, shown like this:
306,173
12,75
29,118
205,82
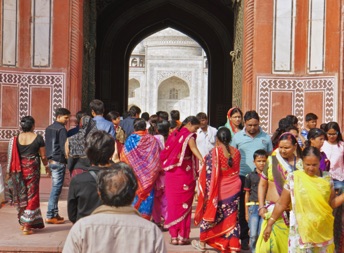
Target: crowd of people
135,177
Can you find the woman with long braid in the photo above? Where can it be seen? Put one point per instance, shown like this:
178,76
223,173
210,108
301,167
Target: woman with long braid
218,201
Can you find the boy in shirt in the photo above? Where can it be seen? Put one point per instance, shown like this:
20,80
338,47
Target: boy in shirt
251,197
311,122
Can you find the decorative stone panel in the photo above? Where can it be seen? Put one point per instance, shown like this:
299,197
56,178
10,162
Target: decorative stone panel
298,96
28,83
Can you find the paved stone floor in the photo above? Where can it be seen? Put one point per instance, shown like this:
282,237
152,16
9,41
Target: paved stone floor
52,237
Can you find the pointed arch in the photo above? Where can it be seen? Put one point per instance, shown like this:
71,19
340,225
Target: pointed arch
123,24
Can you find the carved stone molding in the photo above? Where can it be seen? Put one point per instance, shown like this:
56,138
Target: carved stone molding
248,50
237,55
163,75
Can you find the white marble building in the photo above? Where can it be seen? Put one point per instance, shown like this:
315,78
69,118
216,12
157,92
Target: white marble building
168,70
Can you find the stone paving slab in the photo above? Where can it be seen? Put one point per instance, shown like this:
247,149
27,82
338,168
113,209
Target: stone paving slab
51,239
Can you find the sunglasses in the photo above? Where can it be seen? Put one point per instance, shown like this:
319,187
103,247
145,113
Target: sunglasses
332,134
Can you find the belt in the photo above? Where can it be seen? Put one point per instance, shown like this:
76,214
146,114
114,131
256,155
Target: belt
53,162
252,203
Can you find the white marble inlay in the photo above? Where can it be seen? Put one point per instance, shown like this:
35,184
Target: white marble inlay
41,33
316,35
9,33
283,35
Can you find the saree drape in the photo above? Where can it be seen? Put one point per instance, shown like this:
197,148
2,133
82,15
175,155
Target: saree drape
276,171
141,151
218,201
23,186
180,174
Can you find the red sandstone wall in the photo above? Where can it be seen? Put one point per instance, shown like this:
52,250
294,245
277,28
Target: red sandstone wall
25,90
276,95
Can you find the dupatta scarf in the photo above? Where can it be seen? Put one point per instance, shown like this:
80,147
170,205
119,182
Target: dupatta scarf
208,197
229,124
16,192
173,154
312,210
277,169
141,151
207,200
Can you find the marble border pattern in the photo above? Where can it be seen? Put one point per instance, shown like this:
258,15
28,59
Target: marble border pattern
24,80
299,85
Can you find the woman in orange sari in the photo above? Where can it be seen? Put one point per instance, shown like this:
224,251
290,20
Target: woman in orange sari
218,201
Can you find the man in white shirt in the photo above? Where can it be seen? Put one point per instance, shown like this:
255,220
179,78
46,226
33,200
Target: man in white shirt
115,226
206,135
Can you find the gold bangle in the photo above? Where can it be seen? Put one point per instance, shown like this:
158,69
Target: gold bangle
272,219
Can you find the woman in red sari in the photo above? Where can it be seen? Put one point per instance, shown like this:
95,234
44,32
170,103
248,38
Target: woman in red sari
218,201
25,151
179,161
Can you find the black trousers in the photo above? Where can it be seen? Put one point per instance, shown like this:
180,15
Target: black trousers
242,220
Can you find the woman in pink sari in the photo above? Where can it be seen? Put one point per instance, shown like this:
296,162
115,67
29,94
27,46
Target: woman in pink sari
179,161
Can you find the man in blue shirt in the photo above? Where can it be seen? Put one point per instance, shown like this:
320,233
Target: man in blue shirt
128,123
97,111
247,141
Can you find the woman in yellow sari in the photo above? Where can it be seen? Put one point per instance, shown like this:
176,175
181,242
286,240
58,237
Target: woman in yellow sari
312,197
281,162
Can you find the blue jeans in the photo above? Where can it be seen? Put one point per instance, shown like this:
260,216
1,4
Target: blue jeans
338,185
254,223
57,175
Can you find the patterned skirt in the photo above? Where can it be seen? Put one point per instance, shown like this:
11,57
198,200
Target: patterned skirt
31,215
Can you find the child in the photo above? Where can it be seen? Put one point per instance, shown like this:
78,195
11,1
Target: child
115,118
311,122
251,198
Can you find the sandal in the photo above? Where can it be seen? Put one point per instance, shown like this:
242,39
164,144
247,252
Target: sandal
197,245
174,241
183,241
27,231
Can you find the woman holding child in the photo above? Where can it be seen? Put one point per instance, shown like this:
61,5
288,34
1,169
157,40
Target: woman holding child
282,162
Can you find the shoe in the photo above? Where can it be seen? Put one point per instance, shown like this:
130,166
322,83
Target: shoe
55,220
198,246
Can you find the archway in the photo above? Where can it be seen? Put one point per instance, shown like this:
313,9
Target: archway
123,24
174,94
133,88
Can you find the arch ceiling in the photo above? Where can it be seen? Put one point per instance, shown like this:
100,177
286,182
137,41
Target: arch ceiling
122,24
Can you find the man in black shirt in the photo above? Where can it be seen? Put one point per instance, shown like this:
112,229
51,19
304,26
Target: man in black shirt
83,195
55,138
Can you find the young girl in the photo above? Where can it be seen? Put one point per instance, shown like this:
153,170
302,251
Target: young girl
316,138
334,149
